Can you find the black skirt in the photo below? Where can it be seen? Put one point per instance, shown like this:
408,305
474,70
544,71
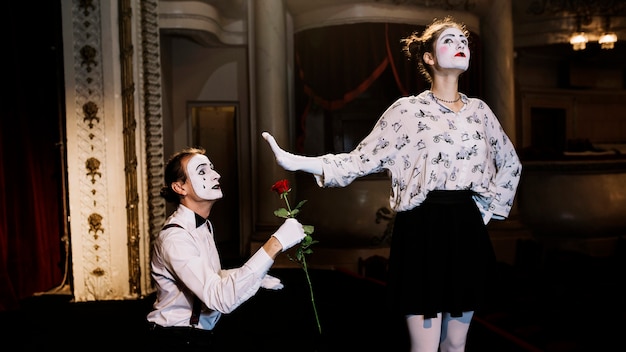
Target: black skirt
440,257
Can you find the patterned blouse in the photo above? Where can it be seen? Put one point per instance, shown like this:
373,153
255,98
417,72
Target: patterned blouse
425,146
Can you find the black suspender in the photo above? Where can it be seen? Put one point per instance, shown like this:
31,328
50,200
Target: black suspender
197,304
170,225
195,313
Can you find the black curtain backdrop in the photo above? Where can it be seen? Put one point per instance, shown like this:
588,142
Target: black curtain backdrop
31,199
337,65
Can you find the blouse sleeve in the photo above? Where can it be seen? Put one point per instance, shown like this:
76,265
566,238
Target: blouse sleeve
508,167
372,155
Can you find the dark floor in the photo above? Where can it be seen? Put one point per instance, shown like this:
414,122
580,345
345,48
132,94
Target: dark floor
569,303
349,309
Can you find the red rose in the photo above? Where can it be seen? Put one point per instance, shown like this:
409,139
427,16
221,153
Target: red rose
281,187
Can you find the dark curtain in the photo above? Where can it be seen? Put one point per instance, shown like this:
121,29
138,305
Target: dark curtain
338,65
31,196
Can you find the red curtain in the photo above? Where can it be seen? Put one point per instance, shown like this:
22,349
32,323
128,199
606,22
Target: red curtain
339,64
31,202
30,259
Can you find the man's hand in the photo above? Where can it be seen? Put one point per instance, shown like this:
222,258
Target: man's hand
289,233
271,283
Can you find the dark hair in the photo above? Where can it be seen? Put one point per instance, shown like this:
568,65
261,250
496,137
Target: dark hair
174,172
416,45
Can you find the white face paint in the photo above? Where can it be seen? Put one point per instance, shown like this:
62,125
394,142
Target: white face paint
451,49
204,179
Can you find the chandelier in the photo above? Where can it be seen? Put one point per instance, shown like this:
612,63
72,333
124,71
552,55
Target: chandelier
579,40
607,38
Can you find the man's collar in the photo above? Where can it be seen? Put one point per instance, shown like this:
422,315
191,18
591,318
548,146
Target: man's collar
199,220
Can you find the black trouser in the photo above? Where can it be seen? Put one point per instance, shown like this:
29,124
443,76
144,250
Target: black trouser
180,338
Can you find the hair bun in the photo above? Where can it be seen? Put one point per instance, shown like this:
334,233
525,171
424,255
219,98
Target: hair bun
414,48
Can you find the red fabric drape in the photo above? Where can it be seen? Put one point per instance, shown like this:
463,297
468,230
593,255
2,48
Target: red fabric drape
31,202
338,64
30,182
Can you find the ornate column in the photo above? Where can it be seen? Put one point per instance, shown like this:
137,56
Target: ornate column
270,80
497,36
108,44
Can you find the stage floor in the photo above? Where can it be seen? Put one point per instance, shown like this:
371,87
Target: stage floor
572,303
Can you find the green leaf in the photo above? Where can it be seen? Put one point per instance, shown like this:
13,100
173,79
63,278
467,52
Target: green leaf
282,213
300,204
308,229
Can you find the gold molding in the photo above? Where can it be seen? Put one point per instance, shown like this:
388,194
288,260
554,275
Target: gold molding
90,109
153,122
93,166
95,224
130,155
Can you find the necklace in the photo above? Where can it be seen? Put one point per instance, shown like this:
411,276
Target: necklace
448,101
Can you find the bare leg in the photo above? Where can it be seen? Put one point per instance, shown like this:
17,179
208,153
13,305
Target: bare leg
454,332
424,333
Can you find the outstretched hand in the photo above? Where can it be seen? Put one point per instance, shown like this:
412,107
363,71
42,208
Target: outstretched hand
282,157
292,162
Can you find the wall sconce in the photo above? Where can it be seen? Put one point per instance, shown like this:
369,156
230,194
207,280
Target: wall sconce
607,40
578,40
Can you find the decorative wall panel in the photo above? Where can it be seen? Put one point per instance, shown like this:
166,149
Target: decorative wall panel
90,119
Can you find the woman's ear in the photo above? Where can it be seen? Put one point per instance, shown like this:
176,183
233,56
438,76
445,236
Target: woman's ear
428,58
178,188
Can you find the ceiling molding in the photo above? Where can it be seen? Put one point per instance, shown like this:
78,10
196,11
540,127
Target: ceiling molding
337,13
201,22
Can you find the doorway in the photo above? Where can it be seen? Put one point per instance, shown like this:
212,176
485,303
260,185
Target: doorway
214,128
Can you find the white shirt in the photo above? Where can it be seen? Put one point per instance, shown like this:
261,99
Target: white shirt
426,146
186,262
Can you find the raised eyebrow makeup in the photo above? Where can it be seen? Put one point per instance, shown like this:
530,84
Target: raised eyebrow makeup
453,36
200,166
